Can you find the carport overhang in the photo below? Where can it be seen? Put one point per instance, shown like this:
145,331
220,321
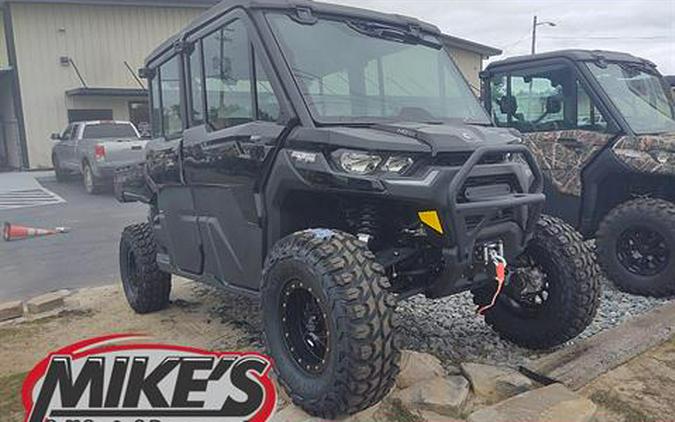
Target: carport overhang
107,92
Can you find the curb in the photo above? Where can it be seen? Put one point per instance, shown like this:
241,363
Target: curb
35,306
578,364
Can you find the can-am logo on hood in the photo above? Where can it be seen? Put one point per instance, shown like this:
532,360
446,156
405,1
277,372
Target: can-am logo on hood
98,381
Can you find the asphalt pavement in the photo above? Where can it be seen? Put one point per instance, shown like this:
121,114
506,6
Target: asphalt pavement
87,256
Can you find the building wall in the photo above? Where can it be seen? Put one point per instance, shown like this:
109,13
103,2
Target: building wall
4,60
470,64
98,39
9,123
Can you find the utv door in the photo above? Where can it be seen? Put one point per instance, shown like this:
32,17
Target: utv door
176,226
561,123
226,148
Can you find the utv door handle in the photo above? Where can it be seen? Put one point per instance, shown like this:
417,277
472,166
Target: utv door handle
571,143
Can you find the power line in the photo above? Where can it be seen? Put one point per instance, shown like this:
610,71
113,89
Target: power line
591,37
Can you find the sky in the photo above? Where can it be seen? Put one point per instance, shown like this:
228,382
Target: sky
644,28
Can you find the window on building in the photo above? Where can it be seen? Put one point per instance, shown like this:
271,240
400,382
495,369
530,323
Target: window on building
227,67
169,75
197,82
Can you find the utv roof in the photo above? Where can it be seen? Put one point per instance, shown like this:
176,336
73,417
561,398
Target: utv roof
576,55
316,7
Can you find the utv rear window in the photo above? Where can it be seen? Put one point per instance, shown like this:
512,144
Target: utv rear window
109,130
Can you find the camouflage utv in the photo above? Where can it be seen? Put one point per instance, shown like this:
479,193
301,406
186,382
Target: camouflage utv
603,129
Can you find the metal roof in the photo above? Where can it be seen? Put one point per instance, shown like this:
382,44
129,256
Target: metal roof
576,55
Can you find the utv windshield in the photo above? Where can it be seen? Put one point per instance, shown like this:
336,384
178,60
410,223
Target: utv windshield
639,96
360,72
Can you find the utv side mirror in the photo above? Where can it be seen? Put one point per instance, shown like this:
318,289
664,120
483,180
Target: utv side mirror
553,105
508,105
56,136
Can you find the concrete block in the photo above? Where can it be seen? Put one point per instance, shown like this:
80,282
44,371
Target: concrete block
11,310
45,303
553,403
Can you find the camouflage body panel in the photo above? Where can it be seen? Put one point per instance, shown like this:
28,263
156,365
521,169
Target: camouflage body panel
653,154
562,164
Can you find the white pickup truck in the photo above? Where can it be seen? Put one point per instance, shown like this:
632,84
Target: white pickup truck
95,149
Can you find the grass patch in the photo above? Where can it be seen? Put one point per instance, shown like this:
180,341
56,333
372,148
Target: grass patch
10,395
615,404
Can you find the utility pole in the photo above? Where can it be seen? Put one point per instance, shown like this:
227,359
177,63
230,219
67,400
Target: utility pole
535,24
534,33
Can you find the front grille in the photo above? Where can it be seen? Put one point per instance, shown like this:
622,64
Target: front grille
509,179
457,159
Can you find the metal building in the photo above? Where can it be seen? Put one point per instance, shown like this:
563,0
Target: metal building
69,60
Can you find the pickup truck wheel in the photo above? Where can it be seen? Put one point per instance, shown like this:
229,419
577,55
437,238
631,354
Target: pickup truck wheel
552,291
329,322
146,287
61,174
636,247
91,183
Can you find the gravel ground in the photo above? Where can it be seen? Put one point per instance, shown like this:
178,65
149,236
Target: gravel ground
448,328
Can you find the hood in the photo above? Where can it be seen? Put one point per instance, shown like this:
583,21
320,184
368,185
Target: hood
406,137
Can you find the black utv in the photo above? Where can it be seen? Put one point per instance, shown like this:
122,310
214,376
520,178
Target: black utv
332,161
602,126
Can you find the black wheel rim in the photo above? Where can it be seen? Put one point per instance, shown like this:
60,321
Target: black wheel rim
531,282
642,251
304,326
131,272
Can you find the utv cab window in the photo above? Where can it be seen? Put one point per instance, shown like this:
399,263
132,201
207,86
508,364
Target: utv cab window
197,82
268,106
169,75
351,71
638,94
227,65
156,107
544,99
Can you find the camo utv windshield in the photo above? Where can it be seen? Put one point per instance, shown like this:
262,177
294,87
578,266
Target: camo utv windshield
639,96
360,72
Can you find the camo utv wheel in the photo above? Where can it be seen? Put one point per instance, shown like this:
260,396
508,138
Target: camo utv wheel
146,287
329,322
636,247
552,291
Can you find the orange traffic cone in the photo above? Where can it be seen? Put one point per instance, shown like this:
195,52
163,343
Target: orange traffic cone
16,232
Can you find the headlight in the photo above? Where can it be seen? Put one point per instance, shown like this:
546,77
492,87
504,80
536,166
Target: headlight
363,162
357,162
397,164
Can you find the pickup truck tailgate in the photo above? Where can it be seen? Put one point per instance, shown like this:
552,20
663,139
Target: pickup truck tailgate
124,151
